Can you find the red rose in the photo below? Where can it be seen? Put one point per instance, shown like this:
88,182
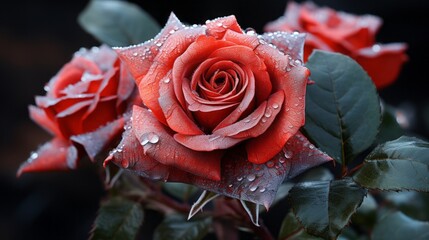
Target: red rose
83,106
220,103
344,33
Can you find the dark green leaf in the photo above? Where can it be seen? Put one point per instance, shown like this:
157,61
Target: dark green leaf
324,208
292,230
402,164
342,107
176,227
413,204
398,226
181,191
118,218
389,128
118,23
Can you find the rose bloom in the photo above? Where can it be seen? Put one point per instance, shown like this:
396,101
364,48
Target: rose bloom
222,109
345,33
83,109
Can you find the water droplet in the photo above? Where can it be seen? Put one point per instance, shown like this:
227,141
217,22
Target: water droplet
172,31
239,179
376,48
268,114
153,138
144,141
46,88
297,62
250,31
246,120
282,160
288,154
287,109
158,44
263,120
135,54
251,177
262,190
275,106
34,155
253,188
311,146
230,185
288,69
290,126
167,80
270,164
296,104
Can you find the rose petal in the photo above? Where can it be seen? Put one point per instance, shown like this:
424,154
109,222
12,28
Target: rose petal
139,58
176,117
130,155
126,85
259,183
267,116
293,81
189,60
94,142
39,116
161,146
217,27
103,112
58,154
392,55
288,43
206,143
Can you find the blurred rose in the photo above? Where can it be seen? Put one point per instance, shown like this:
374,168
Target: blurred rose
345,33
83,109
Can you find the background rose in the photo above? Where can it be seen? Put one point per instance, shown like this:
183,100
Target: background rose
83,107
345,33
220,102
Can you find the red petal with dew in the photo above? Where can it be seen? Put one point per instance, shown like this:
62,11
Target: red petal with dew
98,140
159,144
58,154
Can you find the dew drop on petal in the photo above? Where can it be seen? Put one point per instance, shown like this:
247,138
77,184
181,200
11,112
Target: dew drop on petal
263,120
230,185
167,80
135,54
262,190
251,177
275,106
270,164
288,154
239,179
253,188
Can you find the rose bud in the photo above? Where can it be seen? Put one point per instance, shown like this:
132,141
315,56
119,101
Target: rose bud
345,33
83,109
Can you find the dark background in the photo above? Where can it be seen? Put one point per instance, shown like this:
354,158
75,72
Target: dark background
38,38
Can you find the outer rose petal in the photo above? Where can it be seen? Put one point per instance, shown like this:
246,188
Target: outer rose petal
40,117
58,154
94,142
130,155
161,146
219,26
259,183
392,55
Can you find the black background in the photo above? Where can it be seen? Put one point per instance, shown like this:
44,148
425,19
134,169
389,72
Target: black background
38,38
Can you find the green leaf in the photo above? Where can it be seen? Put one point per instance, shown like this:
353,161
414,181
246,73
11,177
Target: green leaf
324,208
413,204
398,226
342,107
402,164
176,227
291,229
117,23
118,218
389,128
